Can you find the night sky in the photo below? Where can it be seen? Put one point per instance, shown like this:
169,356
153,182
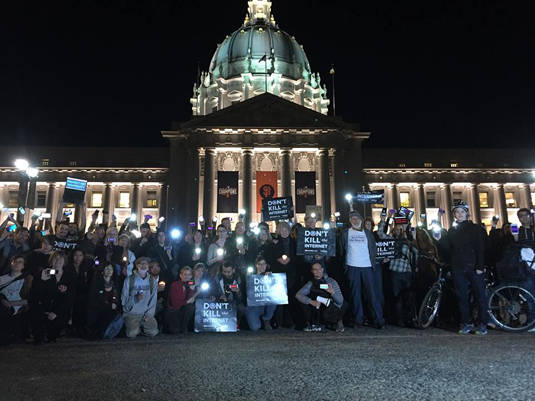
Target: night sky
415,74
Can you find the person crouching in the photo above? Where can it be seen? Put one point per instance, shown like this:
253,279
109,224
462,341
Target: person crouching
139,301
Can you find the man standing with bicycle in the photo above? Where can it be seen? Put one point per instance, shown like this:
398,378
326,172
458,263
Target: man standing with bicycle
466,244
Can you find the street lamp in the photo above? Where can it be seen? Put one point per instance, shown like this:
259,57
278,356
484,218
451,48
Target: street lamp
21,164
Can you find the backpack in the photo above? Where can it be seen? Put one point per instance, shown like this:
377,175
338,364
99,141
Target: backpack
133,279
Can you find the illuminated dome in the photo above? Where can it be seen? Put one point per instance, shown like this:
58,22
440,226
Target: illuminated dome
258,58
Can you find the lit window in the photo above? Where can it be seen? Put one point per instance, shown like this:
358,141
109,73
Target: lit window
453,165
431,199
45,162
73,163
510,199
152,200
405,199
402,165
124,199
41,199
428,164
533,198
13,200
484,199
96,199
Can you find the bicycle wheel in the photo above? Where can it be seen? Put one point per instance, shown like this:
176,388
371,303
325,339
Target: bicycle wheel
429,308
512,307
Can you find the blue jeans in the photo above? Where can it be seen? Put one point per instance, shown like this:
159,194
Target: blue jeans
255,315
364,278
464,278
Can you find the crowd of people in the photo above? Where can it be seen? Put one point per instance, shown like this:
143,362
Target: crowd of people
107,281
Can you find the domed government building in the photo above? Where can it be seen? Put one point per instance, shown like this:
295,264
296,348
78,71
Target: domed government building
260,127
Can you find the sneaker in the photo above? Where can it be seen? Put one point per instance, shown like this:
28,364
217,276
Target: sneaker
308,328
317,328
466,329
267,325
340,327
482,330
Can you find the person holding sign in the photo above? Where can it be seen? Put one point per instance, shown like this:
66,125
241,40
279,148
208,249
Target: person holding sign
217,251
402,268
359,252
284,261
257,314
321,301
230,289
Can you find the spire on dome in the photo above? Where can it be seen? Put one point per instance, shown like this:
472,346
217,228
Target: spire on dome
260,12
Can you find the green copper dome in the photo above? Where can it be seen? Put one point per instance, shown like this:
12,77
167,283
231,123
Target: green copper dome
245,50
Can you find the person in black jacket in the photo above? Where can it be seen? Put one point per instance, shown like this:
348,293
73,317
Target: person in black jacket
466,243
51,299
284,260
104,303
164,254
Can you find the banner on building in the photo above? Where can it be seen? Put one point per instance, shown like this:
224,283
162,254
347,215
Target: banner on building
314,241
215,316
227,192
266,187
277,209
385,249
269,289
305,190
372,197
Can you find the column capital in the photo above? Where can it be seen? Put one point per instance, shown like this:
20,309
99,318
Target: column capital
247,151
285,151
332,152
323,151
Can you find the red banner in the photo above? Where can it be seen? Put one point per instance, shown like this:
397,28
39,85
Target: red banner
266,187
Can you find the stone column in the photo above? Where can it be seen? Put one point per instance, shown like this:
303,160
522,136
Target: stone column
325,184
136,202
32,194
209,196
50,203
163,201
247,179
286,174
107,202
526,196
500,207
420,193
393,202
22,197
473,197
446,205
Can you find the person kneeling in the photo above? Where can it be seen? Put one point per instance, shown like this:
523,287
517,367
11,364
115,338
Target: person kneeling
181,303
139,300
321,301
257,314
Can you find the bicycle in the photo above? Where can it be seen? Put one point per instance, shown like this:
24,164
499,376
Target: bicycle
511,307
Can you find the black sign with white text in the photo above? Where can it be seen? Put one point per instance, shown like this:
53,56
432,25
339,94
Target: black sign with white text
277,209
215,317
227,191
373,197
269,289
314,241
385,249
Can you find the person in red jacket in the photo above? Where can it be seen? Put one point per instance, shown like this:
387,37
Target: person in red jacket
181,302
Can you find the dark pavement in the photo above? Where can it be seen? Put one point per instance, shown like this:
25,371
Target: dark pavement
360,364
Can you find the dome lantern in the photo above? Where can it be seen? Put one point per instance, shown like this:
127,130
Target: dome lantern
257,58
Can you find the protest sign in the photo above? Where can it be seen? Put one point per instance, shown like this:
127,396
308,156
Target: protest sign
314,241
269,289
277,209
372,197
214,316
385,249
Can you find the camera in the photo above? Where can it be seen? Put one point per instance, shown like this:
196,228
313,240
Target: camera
52,272
383,212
